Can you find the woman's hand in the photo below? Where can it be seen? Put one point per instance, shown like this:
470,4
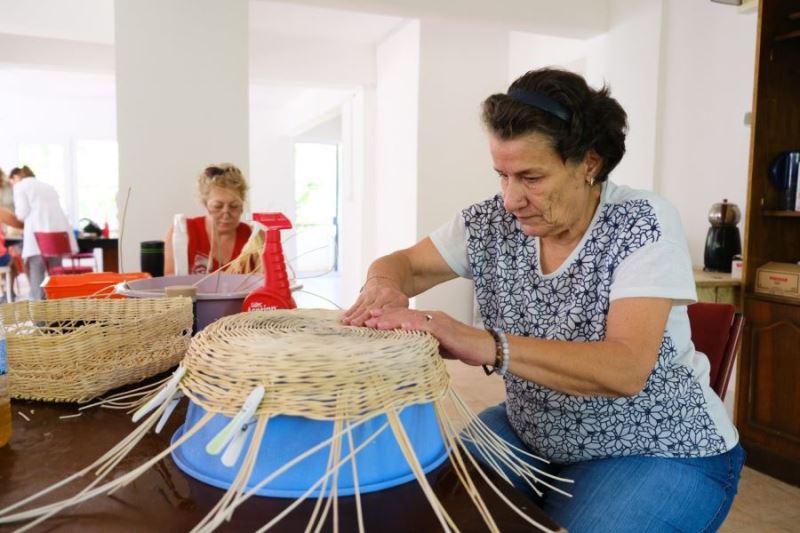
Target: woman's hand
457,340
379,295
393,278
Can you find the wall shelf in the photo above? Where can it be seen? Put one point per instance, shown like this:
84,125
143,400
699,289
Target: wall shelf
773,298
787,214
787,36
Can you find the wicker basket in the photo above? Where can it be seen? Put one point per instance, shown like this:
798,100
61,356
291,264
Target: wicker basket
73,350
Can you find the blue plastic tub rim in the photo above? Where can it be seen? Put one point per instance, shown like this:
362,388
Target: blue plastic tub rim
379,465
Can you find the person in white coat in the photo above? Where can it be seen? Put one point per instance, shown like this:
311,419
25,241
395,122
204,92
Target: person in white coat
37,206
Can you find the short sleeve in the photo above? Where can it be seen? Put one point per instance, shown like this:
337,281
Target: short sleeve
662,269
451,241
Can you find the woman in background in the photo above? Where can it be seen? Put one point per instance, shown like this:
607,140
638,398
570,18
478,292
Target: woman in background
219,236
37,207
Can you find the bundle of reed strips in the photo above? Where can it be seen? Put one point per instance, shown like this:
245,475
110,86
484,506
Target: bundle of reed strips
249,259
257,365
73,350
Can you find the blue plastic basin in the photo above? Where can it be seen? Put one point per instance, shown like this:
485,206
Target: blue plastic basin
380,464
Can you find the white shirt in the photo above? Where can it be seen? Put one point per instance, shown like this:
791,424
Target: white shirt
37,205
634,247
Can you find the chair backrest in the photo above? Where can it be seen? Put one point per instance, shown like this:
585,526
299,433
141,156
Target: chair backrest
53,243
717,332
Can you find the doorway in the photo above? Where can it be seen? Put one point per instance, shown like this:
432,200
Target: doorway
316,169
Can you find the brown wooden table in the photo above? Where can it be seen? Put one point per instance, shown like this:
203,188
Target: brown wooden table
109,246
47,449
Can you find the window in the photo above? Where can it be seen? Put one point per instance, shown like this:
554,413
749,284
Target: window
48,163
86,177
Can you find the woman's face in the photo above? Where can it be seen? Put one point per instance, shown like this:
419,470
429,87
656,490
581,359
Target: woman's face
548,196
225,208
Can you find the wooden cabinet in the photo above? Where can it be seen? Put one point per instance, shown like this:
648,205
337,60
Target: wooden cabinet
768,393
768,390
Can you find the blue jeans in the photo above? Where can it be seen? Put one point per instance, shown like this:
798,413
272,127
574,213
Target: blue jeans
635,493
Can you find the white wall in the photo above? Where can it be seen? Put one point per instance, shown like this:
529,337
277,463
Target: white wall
56,54
573,18
359,235
396,132
460,65
77,20
182,93
310,62
530,51
632,52
707,86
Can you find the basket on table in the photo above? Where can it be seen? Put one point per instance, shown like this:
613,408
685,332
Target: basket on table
73,350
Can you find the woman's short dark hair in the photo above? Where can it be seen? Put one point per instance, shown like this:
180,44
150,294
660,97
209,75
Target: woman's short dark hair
23,171
594,120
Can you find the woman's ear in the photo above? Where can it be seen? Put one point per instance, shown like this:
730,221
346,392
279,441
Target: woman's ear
593,164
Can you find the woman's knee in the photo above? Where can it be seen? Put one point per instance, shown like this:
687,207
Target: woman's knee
642,494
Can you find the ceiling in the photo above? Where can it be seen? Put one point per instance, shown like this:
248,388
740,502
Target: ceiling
353,21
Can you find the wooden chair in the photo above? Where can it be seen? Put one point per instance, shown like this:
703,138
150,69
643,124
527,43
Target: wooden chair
56,245
717,332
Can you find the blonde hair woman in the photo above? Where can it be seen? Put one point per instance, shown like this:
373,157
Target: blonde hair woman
219,236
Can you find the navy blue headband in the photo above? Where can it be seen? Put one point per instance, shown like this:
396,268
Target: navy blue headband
540,101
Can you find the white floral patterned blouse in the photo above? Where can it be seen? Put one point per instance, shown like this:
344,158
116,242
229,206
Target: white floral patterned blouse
634,247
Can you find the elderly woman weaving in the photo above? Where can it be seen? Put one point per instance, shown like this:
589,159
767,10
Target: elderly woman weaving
583,286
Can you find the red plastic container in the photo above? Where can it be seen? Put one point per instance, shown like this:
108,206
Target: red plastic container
93,284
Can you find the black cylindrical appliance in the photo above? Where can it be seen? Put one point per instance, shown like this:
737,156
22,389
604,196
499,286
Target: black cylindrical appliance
152,257
723,240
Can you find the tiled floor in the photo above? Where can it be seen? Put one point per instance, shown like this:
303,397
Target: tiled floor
763,505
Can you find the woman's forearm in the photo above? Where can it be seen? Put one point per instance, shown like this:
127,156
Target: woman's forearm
9,218
605,368
393,269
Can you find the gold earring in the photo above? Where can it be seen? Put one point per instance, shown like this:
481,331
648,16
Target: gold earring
591,182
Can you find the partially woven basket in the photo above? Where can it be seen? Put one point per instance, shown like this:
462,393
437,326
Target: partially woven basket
74,350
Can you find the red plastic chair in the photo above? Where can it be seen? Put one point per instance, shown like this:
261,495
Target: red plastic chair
55,245
717,332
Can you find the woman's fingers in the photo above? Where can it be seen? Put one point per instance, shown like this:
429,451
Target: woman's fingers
399,318
371,299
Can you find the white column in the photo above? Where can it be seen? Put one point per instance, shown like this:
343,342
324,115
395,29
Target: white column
460,65
182,102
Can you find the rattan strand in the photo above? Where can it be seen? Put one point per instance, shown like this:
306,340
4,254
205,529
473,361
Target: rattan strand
73,350
311,366
249,257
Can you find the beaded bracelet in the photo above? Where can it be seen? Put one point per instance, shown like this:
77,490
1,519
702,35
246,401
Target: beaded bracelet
501,353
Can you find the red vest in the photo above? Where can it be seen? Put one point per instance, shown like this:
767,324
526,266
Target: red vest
200,245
